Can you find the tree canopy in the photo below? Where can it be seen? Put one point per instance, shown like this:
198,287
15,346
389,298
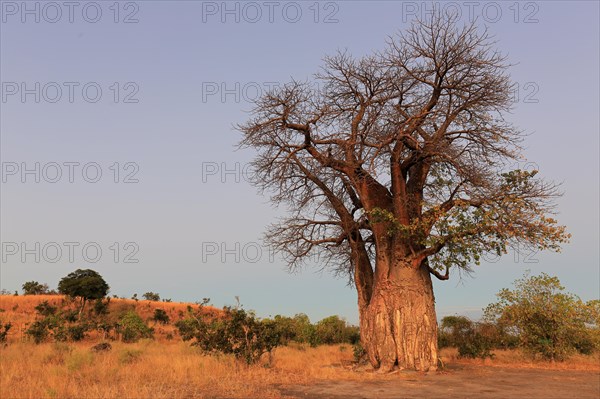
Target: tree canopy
34,288
394,168
413,141
85,284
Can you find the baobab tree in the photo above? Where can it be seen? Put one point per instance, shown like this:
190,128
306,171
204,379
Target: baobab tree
394,170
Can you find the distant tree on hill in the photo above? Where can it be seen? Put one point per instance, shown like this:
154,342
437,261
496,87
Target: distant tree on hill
34,288
84,284
151,296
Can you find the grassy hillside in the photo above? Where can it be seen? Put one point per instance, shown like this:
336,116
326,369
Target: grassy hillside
20,311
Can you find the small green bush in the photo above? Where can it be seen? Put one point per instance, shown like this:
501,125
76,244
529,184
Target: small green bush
360,354
475,345
45,309
161,316
39,331
77,332
133,328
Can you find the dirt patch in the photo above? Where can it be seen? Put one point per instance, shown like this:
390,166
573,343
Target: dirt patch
481,382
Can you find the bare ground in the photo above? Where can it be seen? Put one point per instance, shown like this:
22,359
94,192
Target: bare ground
461,381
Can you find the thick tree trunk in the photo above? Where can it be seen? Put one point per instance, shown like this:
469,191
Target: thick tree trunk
398,326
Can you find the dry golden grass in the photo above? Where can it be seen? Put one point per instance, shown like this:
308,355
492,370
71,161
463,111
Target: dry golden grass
177,370
158,370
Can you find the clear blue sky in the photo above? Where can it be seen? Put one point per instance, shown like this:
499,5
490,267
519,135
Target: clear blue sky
172,86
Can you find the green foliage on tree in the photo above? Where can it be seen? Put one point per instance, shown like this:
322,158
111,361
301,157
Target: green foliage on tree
330,330
236,332
151,296
453,330
132,328
34,288
548,322
85,284
304,330
333,330
285,328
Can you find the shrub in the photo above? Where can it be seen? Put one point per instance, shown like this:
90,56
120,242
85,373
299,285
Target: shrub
60,324
237,332
45,309
473,340
161,316
39,331
475,345
188,328
77,332
101,306
360,354
132,328
548,322
71,316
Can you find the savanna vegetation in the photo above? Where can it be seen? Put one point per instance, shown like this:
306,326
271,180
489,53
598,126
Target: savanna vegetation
53,347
